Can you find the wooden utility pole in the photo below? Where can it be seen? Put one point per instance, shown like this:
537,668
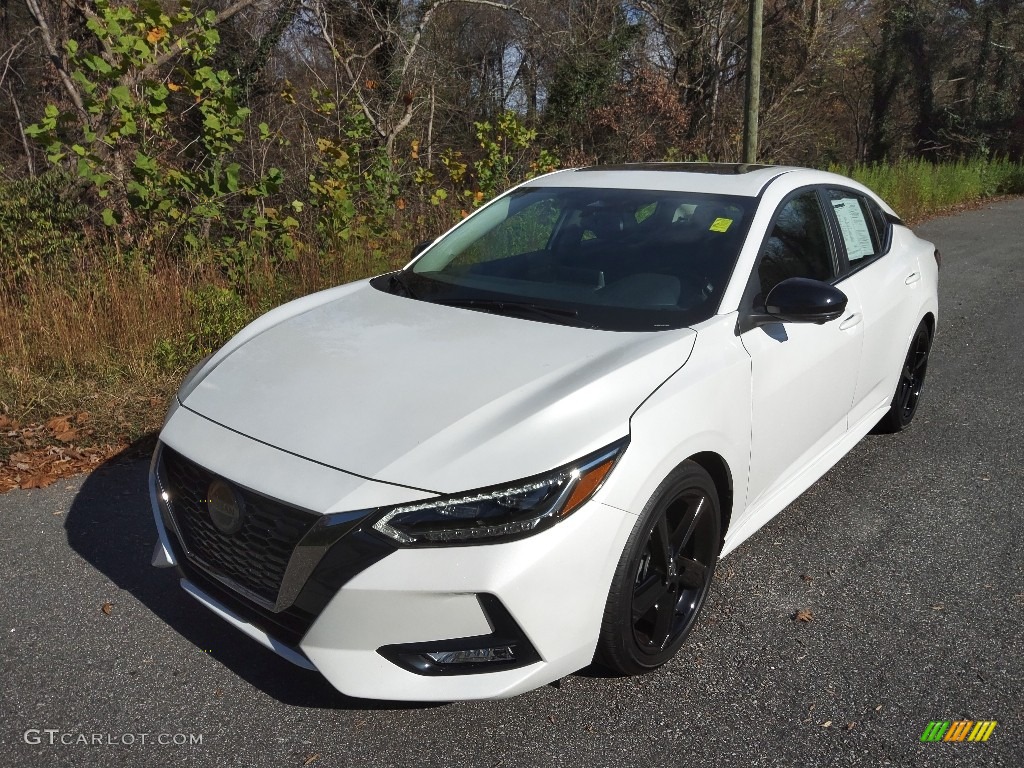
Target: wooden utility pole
753,100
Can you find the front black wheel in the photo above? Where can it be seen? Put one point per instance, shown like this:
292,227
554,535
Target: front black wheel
911,383
664,574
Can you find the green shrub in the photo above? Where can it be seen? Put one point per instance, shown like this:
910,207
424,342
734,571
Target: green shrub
918,188
40,224
215,314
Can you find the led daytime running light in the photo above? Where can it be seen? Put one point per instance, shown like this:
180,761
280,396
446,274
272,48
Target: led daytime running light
481,532
564,490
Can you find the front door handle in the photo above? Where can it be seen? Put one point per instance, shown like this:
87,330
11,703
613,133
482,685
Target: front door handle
851,321
912,278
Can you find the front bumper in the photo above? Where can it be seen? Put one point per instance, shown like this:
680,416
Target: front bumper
543,596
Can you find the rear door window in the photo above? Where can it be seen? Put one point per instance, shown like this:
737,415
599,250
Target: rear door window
862,226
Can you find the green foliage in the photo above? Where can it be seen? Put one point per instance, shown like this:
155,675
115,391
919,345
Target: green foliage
353,185
917,188
215,315
40,224
504,145
156,148
509,156
583,82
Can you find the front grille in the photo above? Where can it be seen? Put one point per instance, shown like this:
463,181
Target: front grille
254,558
289,626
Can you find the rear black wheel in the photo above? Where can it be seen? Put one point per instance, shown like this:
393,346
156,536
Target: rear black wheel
911,383
664,574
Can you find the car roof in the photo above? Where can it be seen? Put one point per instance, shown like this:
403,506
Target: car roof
715,178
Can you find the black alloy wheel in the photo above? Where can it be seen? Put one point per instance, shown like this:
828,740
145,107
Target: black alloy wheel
664,574
911,382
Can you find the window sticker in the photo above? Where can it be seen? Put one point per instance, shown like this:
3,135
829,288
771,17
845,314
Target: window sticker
720,225
854,227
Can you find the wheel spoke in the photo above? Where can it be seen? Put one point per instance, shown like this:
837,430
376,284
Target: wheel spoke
664,618
688,525
692,573
647,595
661,546
905,392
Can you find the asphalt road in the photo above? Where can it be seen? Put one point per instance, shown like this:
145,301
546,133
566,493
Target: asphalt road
908,553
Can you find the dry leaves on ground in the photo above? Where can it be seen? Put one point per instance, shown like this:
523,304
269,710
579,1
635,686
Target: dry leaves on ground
43,453
41,467
803,615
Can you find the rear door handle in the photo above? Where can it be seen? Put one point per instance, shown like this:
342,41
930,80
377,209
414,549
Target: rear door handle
851,321
912,278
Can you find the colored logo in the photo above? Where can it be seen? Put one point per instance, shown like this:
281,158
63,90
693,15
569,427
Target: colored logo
958,730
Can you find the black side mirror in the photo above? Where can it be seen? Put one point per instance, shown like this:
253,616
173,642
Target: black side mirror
797,300
420,248
802,300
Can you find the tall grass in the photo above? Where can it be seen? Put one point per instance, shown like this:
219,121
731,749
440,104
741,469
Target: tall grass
112,336
917,189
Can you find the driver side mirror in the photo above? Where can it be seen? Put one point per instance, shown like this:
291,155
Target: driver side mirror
798,300
802,300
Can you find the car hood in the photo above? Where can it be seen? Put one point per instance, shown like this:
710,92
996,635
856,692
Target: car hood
437,398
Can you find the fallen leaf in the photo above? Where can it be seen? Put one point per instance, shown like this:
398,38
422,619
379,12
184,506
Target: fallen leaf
850,726
107,607
38,481
67,436
7,423
59,424
804,615
878,708
827,724
805,577
311,759
82,418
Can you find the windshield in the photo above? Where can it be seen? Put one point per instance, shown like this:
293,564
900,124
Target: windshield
616,259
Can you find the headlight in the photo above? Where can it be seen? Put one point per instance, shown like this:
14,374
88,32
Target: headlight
506,512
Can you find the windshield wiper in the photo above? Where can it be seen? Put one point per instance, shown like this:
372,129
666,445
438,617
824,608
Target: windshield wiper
398,281
504,306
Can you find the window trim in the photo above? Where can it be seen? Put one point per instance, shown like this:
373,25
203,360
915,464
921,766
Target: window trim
746,308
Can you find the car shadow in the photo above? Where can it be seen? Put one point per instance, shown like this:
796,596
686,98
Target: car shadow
110,524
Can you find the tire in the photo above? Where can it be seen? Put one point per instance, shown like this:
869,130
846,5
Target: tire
911,383
664,574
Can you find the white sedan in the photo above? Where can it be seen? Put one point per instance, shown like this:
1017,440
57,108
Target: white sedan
527,450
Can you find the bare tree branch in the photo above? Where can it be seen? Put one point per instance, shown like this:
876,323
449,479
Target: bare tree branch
21,132
55,57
